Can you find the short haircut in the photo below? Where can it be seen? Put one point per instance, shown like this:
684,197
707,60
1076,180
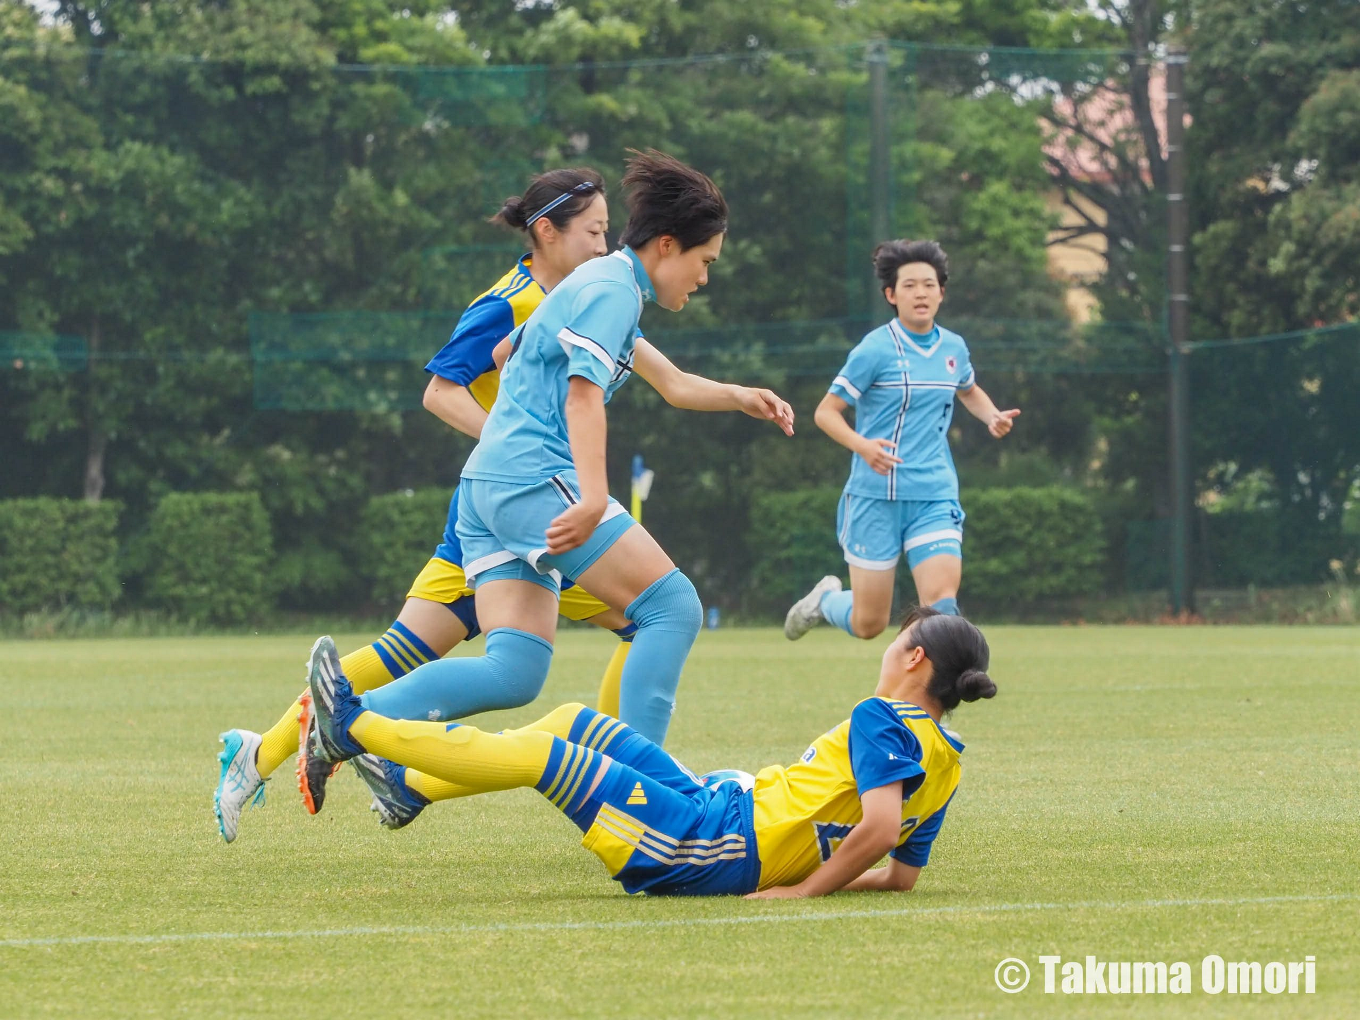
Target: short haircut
667,198
890,256
576,187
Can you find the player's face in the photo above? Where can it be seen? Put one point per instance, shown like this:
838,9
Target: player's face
917,296
583,238
901,659
678,274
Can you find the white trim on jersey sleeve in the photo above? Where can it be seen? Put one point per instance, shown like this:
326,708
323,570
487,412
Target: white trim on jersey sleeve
567,336
846,385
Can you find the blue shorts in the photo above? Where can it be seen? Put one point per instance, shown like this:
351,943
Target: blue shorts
502,527
873,533
673,838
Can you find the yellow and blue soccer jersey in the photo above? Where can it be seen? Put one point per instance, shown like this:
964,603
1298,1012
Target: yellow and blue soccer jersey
802,812
466,358
902,387
587,328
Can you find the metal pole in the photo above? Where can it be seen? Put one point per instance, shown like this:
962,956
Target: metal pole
1178,235
880,152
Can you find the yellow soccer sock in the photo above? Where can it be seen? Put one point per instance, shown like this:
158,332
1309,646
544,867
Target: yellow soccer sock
433,789
608,701
365,669
462,755
279,742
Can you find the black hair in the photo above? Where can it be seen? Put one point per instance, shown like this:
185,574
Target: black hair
667,198
890,256
580,183
958,654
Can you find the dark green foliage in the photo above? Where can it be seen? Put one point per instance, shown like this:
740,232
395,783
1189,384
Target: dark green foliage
57,553
792,541
399,534
210,557
1026,544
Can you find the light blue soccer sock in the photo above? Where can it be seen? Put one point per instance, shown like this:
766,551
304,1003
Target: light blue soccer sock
950,606
836,607
668,616
510,674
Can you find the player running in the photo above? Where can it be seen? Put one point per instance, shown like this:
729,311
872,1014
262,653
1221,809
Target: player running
534,503
879,783
903,491
564,216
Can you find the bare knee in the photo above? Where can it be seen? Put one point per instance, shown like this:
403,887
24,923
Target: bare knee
868,625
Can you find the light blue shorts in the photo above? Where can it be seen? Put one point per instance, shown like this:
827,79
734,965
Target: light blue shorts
873,533
502,527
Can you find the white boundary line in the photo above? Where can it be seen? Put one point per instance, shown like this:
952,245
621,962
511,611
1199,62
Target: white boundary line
536,926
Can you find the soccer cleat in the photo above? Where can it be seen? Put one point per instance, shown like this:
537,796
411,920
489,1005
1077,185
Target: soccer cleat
312,769
806,613
396,803
333,706
240,780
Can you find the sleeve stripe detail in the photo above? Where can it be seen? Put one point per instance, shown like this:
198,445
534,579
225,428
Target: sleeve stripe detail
567,336
846,385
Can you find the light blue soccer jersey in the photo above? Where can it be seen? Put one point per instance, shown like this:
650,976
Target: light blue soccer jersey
902,387
586,327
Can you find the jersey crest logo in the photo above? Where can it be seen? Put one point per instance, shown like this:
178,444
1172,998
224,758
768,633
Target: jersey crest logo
809,754
637,796
951,363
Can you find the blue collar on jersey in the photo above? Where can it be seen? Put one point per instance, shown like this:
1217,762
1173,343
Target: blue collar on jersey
644,282
925,344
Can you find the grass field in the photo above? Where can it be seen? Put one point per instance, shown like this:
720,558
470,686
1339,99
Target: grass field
1132,793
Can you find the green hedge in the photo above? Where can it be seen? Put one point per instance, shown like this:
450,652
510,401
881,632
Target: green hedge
1019,544
57,553
210,557
398,534
792,543
1027,544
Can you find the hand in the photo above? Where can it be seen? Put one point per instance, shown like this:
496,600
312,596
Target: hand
779,892
1001,422
878,454
766,404
573,526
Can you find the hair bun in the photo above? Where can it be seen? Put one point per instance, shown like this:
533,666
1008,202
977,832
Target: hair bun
974,684
512,213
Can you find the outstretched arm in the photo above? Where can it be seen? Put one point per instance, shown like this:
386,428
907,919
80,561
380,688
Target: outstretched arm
696,393
867,844
896,877
980,406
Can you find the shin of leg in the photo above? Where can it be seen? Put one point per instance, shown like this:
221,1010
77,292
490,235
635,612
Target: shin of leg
510,674
873,600
461,755
937,578
439,628
668,615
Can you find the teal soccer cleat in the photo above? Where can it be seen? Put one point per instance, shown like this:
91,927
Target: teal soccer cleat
239,782
396,803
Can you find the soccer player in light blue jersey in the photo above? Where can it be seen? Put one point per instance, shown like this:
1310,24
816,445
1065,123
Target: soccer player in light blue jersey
903,492
534,497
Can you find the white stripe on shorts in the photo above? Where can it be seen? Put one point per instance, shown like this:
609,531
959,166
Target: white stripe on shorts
484,563
933,536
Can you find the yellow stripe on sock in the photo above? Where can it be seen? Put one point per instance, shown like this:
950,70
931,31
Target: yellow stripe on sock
396,651
411,649
580,778
595,724
562,768
578,766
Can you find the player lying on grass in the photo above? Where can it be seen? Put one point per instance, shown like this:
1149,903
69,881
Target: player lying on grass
876,784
